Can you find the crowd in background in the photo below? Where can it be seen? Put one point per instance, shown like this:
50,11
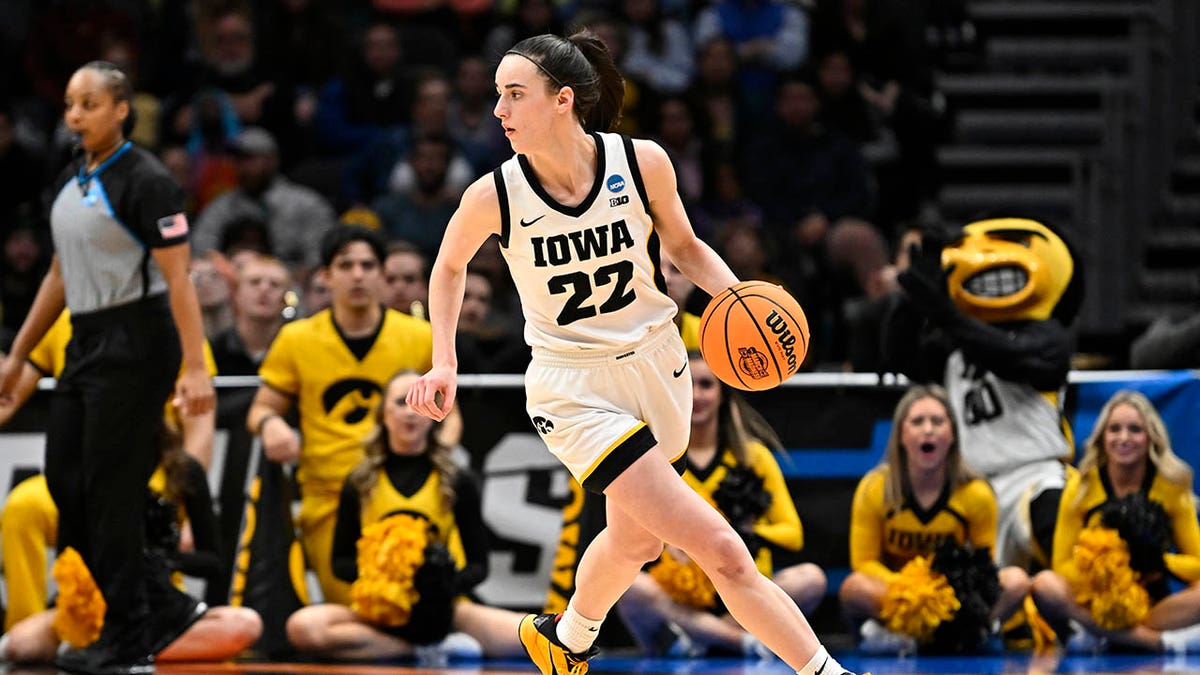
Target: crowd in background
803,135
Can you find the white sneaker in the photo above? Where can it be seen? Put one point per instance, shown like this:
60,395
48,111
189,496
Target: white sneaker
875,638
1182,640
455,646
1084,642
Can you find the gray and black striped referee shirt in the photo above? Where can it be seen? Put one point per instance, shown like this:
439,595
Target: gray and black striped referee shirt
105,223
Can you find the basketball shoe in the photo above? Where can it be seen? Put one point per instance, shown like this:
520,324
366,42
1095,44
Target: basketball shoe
537,633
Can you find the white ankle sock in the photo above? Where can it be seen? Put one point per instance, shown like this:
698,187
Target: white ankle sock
576,631
821,663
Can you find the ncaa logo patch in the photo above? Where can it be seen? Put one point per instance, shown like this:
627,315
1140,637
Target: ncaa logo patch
616,183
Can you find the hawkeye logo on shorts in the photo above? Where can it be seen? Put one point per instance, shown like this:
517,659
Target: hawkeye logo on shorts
543,425
616,183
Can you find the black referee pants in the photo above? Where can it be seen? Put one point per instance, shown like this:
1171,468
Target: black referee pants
103,442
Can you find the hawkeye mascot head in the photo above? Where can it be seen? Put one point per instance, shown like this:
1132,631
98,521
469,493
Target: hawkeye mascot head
986,311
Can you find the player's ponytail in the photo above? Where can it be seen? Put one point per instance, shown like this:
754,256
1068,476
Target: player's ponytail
609,84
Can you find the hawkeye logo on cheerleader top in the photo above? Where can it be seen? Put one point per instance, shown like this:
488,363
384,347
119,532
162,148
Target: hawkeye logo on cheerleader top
593,242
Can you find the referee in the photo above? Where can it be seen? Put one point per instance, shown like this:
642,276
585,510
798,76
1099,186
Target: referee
121,267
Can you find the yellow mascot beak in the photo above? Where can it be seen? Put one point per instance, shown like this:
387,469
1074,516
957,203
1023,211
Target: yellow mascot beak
1008,269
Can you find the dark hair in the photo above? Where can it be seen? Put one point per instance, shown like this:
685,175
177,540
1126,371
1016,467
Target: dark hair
583,63
119,86
246,232
399,246
337,239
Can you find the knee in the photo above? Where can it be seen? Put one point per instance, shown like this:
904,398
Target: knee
304,631
728,558
805,583
641,549
28,647
248,626
855,588
1047,586
1015,581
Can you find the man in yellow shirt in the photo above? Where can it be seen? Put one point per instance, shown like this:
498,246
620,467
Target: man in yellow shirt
332,367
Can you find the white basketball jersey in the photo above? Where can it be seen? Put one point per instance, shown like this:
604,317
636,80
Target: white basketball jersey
588,275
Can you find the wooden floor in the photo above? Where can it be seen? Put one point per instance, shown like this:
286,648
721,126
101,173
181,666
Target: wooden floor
981,665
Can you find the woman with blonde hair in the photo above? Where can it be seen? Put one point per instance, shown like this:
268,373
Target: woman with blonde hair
921,495
1129,480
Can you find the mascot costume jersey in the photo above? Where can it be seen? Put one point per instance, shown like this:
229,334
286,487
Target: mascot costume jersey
986,311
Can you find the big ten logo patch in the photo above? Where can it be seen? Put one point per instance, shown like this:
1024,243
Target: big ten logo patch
524,491
617,201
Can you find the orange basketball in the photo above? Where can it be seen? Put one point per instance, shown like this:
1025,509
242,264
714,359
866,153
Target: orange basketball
754,335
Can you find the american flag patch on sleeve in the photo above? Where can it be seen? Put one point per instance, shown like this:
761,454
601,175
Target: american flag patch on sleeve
173,226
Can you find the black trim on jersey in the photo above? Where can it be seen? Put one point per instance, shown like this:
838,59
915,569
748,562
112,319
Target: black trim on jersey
702,473
360,346
505,216
636,172
680,465
622,457
1111,494
926,515
572,211
654,250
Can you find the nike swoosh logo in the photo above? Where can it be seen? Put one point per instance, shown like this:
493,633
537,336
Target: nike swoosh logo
677,373
820,670
527,223
593,629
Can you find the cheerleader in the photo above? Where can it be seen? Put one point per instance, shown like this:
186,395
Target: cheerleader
922,494
407,500
1130,485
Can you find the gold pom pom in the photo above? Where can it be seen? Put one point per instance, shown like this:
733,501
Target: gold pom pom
1105,583
918,600
684,581
389,554
81,606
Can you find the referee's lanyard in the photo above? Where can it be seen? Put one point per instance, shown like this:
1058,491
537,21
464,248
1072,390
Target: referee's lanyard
90,196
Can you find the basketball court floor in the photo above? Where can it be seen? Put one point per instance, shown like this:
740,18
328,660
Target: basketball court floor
1011,664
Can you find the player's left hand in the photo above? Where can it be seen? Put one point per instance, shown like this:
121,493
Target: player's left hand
423,396
194,392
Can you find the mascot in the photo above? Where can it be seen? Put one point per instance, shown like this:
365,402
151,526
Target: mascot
986,311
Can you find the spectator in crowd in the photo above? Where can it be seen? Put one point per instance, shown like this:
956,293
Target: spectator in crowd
717,92
886,43
419,213
770,37
26,257
485,345
523,19
297,216
146,106
289,32
406,469
332,367
844,108
386,165
676,132
22,172
374,94
811,182
248,233
659,50
210,275
406,274
316,295
470,115
233,66
922,494
1169,342
179,163
258,304
1131,481
724,205
730,446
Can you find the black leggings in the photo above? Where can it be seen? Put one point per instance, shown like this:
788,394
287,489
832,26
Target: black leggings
103,441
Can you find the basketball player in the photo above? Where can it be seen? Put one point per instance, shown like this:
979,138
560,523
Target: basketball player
580,215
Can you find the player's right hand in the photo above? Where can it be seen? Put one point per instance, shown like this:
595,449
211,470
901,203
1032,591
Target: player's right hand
423,395
10,374
280,441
